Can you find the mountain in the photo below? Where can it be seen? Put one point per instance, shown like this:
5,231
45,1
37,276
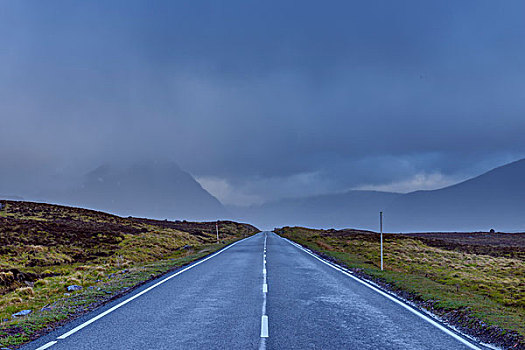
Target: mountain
357,209
146,189
495,200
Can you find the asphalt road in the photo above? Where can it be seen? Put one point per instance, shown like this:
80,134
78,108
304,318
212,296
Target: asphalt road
262,292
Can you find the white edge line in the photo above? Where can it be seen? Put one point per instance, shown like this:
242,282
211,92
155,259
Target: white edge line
264,326
265,288
397,301
47,345
99,316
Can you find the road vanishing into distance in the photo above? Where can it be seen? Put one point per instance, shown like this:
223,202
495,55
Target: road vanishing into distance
263,292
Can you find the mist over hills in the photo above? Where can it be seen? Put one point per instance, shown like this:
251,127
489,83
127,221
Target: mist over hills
357,209
145,189
495,200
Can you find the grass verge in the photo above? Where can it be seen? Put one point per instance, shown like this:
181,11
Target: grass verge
46,248
481,294
54,307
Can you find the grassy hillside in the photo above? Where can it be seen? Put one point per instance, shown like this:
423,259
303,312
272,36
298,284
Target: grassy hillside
474,280
46,248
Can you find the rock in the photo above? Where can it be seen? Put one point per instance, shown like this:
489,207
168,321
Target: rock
67,294
73,288
22,313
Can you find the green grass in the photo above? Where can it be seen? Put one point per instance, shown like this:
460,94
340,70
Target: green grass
491,289
52,291
55,247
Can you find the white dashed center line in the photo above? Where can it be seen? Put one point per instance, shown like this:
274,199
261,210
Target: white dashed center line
264,327
264,317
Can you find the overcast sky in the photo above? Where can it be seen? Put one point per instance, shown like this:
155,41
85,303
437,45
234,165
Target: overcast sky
262,99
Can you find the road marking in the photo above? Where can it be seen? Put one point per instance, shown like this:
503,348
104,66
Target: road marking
48,345
386,295
99,316
264,326
264,317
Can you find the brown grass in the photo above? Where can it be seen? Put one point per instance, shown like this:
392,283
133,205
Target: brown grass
491,288
45,248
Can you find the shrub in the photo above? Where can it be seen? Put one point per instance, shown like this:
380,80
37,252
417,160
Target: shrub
26,291
41,282
6,278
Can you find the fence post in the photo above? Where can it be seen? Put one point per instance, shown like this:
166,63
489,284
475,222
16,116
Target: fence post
381,231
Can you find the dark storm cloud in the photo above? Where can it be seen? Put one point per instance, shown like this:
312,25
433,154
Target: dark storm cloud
273,98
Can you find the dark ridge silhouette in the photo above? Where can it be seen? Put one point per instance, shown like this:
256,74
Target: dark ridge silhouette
146,189
494,200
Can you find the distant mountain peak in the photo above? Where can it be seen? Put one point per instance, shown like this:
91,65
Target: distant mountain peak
495,199
147,188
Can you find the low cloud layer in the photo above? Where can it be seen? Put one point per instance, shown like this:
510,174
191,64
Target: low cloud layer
262,100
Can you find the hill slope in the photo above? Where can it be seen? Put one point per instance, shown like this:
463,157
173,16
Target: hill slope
350,209
495,199
45,249
147,189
